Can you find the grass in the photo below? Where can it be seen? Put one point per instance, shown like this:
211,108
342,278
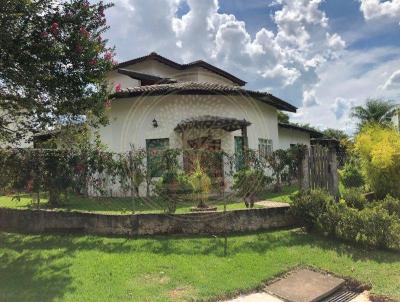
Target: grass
283,196
86,268
141,205
113,205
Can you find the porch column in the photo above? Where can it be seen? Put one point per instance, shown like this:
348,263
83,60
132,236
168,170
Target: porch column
245,145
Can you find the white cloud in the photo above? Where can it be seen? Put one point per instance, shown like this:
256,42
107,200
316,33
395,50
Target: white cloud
341,107
286,75
358,75
285,56
374,9
393,82
309,99
335,42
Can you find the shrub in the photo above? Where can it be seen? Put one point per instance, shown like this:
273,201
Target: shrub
308,206
377,228
201,185
351,176
392,205
354,198
278,161
170,187
379,151
249,183
376,225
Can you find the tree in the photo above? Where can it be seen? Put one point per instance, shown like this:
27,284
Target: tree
378,148
53,64
278,161
283,117
374,111
336,134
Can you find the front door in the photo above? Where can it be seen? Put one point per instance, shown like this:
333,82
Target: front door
207,152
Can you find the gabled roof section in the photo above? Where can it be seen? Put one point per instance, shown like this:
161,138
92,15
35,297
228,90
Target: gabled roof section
205,88
146,79
199,63
313,133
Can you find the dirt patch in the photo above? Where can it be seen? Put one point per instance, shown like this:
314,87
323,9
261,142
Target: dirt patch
181,293
156,278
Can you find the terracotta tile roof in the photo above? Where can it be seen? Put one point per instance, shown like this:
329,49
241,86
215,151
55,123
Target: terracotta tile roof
313,133
205,88
199,63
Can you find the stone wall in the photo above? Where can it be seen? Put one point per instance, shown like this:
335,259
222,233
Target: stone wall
145,224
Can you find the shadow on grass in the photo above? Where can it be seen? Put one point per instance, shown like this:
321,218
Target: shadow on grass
33,276
259,242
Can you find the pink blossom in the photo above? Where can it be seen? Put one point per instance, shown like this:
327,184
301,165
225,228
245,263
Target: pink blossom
114,62
108,56
44,34
84,32
54,28
93,62
118,88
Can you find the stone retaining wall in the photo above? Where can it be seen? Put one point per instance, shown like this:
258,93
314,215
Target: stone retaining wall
41,221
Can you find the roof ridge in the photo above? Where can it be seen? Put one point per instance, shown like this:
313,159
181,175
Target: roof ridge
198,63
204,88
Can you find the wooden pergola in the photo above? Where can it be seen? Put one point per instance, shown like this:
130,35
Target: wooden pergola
215,122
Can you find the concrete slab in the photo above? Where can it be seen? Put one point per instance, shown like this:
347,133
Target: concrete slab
364,297
305,286
272,204
257,297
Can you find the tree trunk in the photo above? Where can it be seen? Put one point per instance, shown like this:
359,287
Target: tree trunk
54,198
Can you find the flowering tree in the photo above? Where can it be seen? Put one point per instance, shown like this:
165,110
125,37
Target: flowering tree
379,150
53,63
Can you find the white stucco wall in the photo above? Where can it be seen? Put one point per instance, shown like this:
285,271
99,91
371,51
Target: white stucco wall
292,136
131,122
26,142
115,78
131,119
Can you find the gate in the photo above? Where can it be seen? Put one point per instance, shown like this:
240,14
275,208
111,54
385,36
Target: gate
319,169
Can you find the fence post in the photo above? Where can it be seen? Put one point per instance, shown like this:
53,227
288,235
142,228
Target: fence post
333,171
304,175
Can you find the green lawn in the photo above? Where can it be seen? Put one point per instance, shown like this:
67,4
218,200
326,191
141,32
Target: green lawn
88,268
115,205
140,205
283,196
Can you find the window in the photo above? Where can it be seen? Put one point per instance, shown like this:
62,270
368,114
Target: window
239,158
154,149
265,146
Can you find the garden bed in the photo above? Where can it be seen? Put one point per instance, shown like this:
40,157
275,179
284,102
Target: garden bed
127,205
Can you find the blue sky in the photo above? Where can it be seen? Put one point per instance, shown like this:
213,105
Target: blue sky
322,56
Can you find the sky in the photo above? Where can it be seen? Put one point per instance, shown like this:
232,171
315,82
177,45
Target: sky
322,56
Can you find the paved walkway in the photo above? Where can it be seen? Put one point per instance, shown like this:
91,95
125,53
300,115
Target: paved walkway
272,204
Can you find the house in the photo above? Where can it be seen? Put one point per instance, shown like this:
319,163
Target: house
160,104
159,100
